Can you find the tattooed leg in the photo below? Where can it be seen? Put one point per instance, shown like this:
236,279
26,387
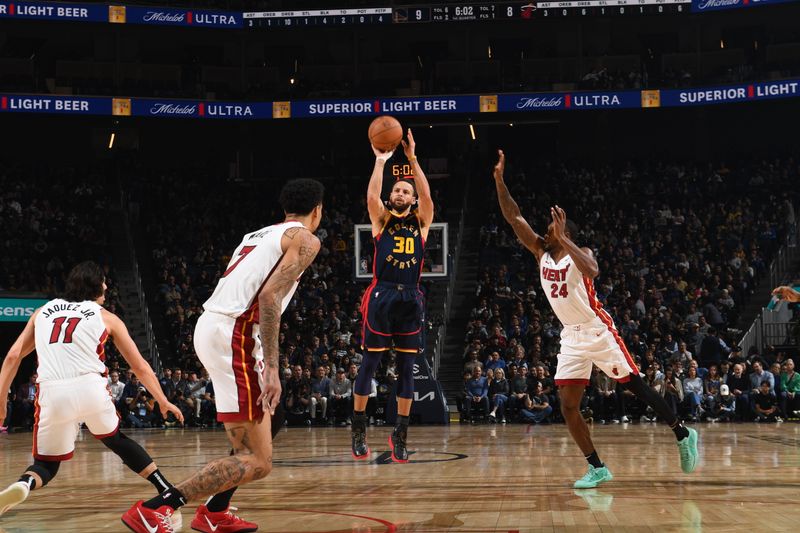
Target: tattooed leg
252,445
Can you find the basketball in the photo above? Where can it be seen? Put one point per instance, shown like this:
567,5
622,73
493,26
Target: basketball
385,133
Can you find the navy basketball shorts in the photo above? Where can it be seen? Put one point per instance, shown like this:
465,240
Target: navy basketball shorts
393,317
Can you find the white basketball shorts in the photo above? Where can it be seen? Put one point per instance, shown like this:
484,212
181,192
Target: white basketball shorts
227,347
593,342
61,405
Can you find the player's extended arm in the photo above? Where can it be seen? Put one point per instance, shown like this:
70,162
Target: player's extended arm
301,247
21,348
425,210
787,293
124,343
583,257
511,212
377,211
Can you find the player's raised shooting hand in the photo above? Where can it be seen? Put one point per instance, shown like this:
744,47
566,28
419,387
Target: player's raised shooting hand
559,223
382,156
167,408
271,395
500,167
410,146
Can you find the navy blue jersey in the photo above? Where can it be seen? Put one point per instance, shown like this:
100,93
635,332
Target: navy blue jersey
399,249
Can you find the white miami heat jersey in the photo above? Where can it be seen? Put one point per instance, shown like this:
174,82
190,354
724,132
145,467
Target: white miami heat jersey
253,261
570,293
70,340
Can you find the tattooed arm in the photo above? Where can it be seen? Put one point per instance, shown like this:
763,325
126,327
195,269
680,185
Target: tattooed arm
511,212
300,247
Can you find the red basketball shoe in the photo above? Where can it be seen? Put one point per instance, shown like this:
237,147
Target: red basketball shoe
221,522
144,520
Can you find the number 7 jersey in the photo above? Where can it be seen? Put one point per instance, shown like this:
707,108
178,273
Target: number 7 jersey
570,293
251,265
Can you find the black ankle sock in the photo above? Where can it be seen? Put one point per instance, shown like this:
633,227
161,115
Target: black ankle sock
680,431
171,497
359,414
594,460
220,502
29,480
159,481
402,421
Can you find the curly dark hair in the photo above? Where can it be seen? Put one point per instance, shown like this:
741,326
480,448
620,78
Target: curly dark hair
301,196
84,282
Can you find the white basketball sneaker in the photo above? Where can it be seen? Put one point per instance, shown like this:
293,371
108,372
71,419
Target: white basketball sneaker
15,494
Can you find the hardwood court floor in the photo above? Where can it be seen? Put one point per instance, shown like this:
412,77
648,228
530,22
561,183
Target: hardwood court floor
468,479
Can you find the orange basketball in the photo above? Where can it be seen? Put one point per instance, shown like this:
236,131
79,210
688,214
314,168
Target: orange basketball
385,133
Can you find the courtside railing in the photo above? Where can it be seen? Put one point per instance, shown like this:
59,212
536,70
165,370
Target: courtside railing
775,327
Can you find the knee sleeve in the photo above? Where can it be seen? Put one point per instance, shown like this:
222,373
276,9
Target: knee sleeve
131,453
405,375
366,372
46,470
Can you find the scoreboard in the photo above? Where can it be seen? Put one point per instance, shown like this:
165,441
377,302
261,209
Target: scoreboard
467,12
319,17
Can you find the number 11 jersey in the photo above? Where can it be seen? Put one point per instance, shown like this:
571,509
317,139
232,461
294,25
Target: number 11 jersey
70,340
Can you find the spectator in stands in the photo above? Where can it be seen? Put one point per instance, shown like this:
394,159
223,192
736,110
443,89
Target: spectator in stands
765,404
141,411
165,379
725,409
758,376
340,394
131,390
519,388
693,393
116,387
724,371
683,354
607,402
320,392
775,370
495,362
477,394
711,387
26,398
208,407
672,389
537,409
461,396
175,384
711,350
498,394
790,387
195,392
740,387
472,362
519,358
298,398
